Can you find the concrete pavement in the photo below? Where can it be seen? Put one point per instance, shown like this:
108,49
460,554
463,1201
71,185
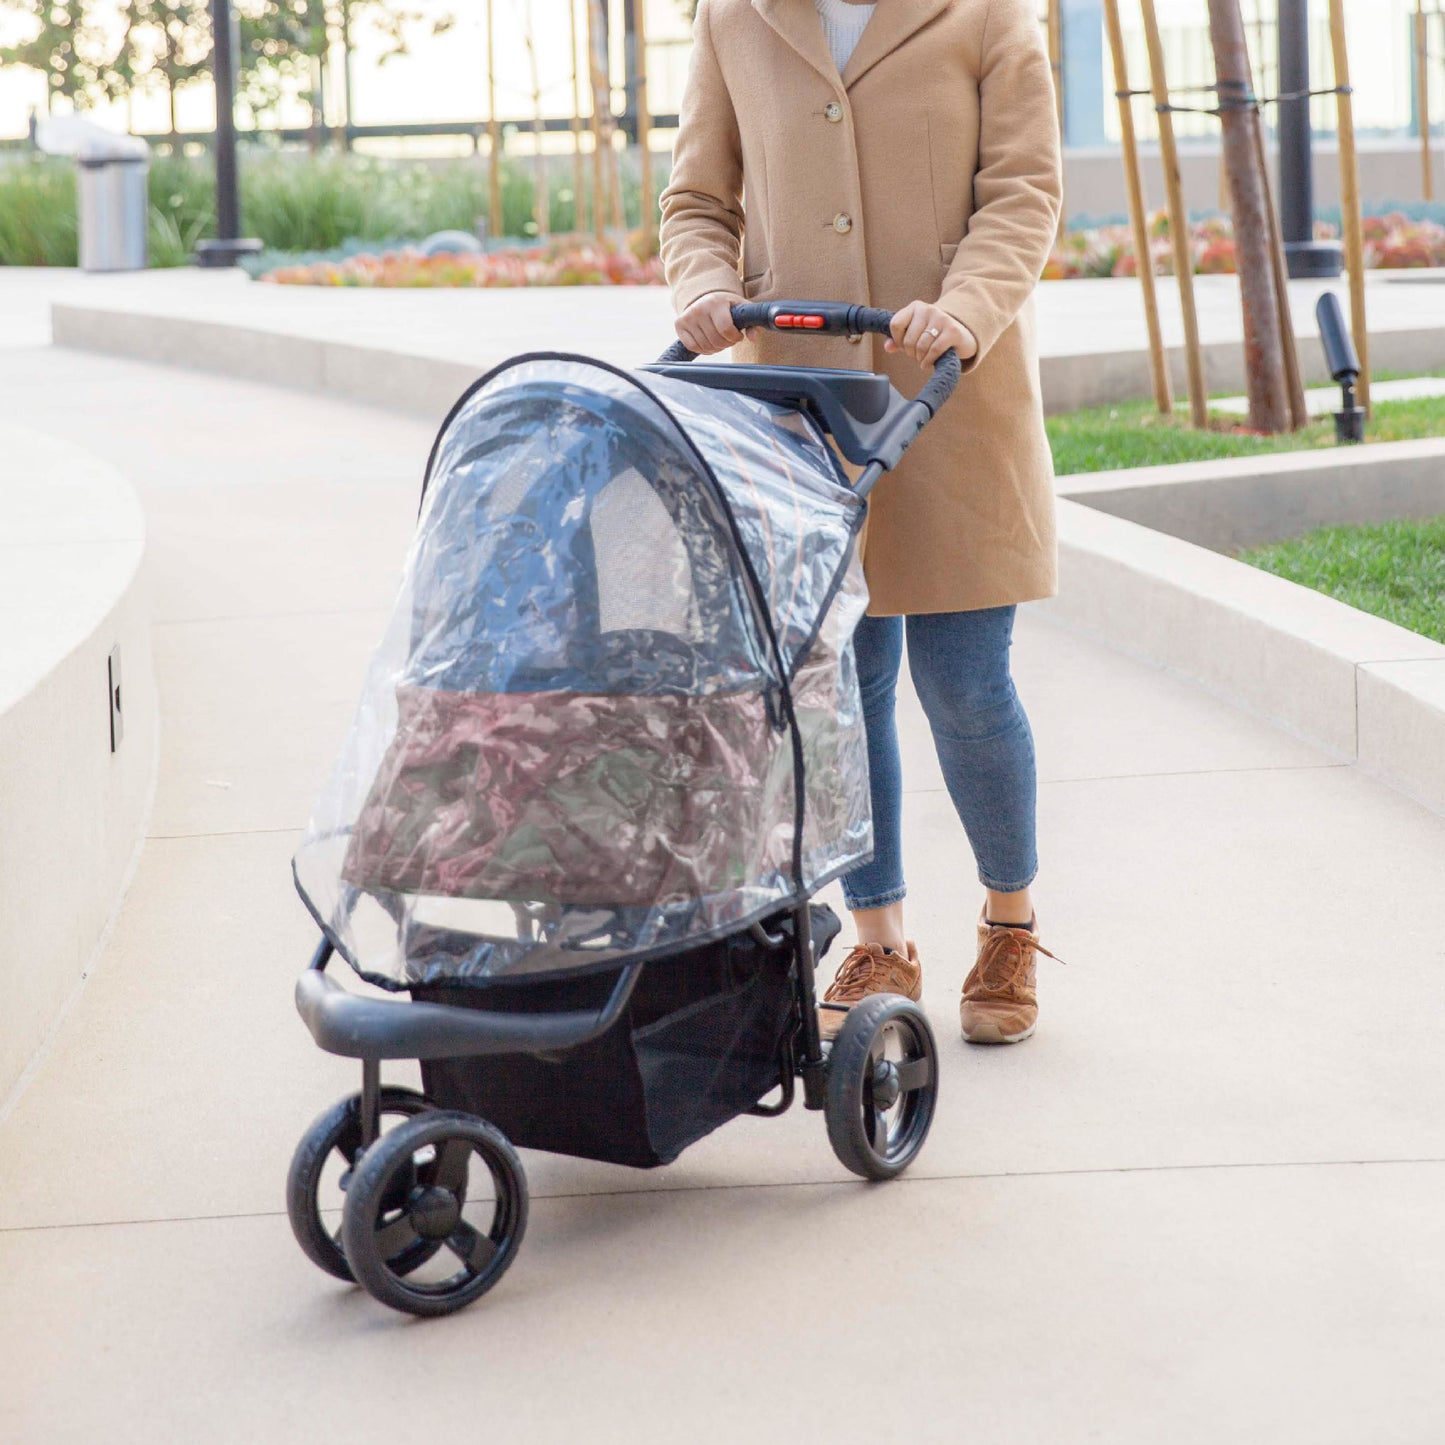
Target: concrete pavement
1202,1204
414,349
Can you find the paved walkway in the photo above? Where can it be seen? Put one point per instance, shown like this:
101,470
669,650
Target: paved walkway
625,324
1203,1204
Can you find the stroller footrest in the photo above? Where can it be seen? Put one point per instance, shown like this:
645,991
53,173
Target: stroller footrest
369,1028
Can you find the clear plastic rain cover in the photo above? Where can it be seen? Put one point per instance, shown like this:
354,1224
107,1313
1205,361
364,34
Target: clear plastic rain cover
570,748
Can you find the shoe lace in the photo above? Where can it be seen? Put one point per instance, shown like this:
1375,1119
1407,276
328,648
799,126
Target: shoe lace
866,963
1004,957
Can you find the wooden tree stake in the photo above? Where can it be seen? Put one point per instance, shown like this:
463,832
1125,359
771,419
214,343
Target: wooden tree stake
1422,96
579,174
494,137
1178,219
644,130
1350,213
1056,62
1138,217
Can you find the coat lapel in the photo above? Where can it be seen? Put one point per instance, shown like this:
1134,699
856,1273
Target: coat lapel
892,23
796,21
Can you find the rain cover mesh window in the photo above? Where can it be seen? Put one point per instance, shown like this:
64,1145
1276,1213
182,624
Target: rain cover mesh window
570,747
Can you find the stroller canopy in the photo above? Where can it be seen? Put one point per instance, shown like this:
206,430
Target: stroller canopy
624,620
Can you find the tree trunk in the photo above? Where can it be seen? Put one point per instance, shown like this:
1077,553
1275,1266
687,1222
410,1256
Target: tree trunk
1267,383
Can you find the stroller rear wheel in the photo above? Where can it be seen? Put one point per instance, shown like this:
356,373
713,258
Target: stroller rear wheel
409,1191
882,1086
338,1132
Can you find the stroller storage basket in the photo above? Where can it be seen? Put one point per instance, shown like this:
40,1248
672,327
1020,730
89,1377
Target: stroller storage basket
701,1041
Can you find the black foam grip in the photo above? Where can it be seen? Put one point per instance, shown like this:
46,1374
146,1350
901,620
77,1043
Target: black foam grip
674,353
946,373
872,319
751,313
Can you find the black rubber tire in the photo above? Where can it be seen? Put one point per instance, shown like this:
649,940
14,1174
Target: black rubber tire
864,1139
339,1129
372,1191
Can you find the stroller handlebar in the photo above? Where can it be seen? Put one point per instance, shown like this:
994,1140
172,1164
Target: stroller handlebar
880,444
833,318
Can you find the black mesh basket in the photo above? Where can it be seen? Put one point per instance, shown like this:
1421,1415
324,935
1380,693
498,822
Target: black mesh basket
698,1044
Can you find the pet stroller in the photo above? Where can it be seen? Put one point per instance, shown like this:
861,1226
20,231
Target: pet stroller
609,748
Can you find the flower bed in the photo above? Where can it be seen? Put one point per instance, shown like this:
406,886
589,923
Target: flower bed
1392,242
571,264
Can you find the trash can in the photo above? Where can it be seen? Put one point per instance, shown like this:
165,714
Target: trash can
114,206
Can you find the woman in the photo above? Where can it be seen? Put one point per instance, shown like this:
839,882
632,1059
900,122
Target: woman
903,154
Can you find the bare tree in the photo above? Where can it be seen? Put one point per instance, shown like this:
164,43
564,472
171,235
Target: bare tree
1254,237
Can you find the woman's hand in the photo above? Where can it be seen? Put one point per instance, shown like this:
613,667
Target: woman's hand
924,332
707,325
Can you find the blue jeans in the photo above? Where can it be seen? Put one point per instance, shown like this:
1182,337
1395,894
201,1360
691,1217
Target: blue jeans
959,662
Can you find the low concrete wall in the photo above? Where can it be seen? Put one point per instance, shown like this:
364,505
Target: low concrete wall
1250,501
1363,689
425,385
72,811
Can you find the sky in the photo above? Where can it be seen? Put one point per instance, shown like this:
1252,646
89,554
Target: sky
444,78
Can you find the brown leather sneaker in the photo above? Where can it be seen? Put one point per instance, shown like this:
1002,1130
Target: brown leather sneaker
1000,1003
869,968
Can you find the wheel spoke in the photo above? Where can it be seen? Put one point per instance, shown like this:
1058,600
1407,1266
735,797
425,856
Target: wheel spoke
878,1119
449,1170
915,1074
392,1238
471,1246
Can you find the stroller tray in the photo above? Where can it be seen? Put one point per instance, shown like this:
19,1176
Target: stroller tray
700,1042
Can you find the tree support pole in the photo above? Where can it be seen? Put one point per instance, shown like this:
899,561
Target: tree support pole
494,137
1138,217
1350,214
1422,97
1178,219
647,205
579,173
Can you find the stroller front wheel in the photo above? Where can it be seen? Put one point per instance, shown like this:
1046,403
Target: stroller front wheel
882,1086
410,1188
338,1132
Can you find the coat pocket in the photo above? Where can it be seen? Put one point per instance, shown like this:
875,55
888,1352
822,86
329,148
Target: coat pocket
757,283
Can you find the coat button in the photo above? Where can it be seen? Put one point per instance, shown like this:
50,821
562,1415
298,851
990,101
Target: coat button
833,111
855,339
842,223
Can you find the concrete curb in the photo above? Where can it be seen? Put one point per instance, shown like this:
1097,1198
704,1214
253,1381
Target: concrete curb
1361,688
72,812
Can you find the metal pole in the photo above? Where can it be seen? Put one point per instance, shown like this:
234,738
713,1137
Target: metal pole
228,246
1305,255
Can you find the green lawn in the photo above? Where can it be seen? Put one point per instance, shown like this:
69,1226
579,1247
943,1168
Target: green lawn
1395,570
1133,434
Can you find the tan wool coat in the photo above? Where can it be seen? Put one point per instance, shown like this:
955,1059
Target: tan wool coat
929,170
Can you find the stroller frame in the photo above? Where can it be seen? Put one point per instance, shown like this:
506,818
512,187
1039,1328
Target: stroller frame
405,1188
